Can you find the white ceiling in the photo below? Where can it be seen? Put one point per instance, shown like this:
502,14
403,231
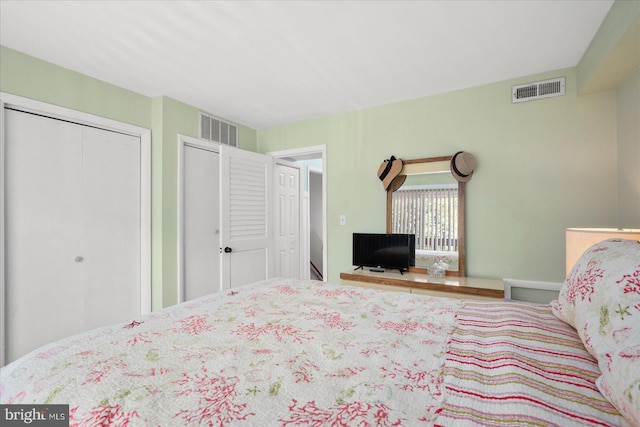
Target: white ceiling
267,63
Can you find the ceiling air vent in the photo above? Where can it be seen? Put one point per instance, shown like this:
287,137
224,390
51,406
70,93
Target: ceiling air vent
538,90
217,130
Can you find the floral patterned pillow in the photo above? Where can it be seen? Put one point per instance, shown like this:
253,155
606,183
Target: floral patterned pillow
620,383
601,299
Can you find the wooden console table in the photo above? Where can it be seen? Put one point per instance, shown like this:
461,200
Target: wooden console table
450,286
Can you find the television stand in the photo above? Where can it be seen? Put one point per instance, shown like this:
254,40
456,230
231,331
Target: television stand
382,270
376,270
420,283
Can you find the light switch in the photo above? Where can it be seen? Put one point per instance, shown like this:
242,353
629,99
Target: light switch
343,219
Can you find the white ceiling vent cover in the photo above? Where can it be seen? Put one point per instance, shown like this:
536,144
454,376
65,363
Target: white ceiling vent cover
538,90
217,130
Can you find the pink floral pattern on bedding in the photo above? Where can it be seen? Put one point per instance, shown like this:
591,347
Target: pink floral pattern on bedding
277,353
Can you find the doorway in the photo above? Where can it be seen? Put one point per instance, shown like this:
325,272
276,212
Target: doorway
313,163
224,217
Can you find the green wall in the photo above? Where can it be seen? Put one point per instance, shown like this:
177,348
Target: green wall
628,128
614,52
542,166
33,78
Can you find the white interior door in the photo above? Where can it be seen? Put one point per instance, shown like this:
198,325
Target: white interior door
287,221
72,229
315,157
245,216
201,213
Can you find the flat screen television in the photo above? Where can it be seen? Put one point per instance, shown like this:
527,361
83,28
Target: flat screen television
380,251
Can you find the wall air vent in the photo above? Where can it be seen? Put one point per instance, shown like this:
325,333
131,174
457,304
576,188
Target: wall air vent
538,90
216,130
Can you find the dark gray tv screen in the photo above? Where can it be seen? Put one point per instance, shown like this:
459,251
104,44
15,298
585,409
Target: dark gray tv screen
392,251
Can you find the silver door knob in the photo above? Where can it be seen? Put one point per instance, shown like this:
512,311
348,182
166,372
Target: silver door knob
78,259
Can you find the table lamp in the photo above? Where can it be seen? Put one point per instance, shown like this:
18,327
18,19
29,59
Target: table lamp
580,239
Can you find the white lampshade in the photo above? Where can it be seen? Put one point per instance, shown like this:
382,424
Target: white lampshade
581,239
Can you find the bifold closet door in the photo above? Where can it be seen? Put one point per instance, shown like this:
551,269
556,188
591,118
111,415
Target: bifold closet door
72,221
110,227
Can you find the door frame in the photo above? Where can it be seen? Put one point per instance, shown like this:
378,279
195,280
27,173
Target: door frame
315,150
82,118
203,144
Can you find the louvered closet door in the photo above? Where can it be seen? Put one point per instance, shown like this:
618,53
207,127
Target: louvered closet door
245,216
72,230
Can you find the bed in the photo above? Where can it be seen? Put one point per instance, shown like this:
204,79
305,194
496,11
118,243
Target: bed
287,352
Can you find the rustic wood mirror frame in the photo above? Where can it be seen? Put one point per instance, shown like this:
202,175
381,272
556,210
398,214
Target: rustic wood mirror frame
461,241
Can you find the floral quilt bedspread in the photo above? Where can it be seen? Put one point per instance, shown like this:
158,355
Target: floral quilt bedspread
276,353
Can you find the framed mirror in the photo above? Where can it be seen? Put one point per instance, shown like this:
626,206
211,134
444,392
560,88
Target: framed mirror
428,202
